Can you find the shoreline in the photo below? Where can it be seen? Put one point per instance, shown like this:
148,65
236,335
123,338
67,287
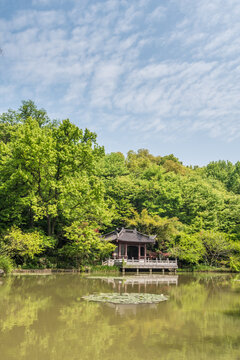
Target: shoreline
101,271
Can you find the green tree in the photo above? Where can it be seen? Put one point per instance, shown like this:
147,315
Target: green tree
140,161
29,109
188,249
112,165
84,245
217,247
220,170
49,173
165,229
20,245
234,179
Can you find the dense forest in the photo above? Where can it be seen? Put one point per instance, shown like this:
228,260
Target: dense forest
59,192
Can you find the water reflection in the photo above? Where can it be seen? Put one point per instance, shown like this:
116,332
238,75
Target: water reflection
144,279
139,283
44,317
130,309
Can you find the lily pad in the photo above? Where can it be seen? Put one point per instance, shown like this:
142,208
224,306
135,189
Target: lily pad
126,298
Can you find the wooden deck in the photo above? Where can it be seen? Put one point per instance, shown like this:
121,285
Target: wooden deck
143,264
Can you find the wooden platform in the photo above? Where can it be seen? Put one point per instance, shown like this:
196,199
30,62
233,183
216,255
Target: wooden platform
143,264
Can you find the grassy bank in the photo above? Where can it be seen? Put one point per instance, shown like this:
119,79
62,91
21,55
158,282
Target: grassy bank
87,269
205,268
102,269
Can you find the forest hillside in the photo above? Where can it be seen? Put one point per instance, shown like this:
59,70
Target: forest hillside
59,191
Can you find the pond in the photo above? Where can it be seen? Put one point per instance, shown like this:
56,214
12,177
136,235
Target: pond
45,317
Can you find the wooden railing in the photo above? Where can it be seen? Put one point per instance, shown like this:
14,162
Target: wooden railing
141,262
108,262
148,261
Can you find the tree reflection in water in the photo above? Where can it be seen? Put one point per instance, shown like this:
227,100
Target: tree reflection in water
43,317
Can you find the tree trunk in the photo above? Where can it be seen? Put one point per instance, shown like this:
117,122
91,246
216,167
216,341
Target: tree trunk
53,226
49,225
31,217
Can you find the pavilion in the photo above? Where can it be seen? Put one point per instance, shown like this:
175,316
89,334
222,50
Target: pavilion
130,244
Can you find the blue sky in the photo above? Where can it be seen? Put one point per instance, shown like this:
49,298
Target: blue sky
162,75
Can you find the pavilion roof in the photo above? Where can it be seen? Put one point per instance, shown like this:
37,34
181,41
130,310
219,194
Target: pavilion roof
129,235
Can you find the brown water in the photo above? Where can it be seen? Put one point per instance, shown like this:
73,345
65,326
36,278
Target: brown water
44,317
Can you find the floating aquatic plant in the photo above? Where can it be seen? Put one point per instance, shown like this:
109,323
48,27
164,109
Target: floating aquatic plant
126,298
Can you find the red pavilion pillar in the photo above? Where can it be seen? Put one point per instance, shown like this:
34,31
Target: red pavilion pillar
119,250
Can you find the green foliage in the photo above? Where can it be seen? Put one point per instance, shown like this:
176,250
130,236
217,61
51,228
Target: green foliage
220,170
208,247
121,193
49,173
235,263
173,166
207,268
165,229
188,248
6,264
29,109
138,162
104,269
217,247
112,165
54,177
234,179
84,245
17,244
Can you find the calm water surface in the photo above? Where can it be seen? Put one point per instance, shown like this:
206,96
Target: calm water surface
44,317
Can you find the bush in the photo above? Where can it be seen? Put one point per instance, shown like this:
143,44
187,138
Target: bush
6,264
188,249
25,245
104,268
235,263
84,245
40,263
217,247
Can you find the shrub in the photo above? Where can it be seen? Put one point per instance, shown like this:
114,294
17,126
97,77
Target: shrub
188,248
217,247
6,264
84,245
235,263
104,268
23,246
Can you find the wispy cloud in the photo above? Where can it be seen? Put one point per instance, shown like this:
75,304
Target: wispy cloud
160,68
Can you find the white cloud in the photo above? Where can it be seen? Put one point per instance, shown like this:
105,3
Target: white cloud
157,14
111,62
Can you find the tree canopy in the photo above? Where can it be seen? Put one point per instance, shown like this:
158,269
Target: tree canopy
59,191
